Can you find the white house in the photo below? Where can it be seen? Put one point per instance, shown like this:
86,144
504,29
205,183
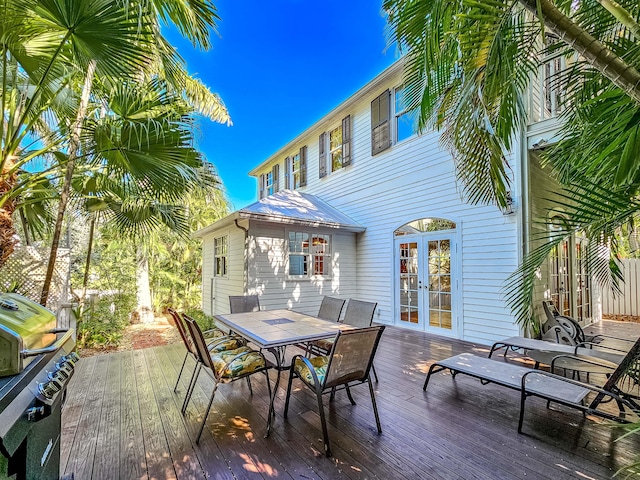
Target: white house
358,206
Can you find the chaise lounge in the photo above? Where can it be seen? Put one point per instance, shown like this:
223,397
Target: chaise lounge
622,385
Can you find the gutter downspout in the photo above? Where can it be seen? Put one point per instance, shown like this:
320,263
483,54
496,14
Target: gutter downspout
524,210
245,270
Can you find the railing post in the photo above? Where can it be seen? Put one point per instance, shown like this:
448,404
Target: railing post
66,317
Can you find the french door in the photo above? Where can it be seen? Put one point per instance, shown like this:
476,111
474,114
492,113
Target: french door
426,282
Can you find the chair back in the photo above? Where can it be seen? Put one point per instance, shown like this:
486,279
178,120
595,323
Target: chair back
359,313
352,355
184,335
331,308
199,343
244,303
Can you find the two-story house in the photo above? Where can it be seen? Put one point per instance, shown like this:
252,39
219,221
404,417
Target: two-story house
360,206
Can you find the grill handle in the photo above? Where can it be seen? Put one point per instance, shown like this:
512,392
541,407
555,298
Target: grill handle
52,348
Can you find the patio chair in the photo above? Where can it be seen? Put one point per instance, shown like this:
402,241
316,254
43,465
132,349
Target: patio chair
348,364
331,308
224,367
217,340
244,303
357,314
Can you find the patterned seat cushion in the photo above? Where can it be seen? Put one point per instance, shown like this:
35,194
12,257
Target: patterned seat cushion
214,333
248,363
319,365
325,344
221,344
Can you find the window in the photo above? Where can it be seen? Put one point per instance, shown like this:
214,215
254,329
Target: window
220,256
339,147
309,254
296,170
269,182
404,124
380,135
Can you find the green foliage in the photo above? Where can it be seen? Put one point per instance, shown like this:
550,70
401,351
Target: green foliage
101,323
206,322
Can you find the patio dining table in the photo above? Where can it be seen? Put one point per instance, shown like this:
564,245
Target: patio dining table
274,330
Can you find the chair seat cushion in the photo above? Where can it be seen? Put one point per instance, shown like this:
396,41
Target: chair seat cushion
319,365
325,344
221,344
245,364
214,333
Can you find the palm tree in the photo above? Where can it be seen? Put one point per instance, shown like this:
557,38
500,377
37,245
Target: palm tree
77,44
468,68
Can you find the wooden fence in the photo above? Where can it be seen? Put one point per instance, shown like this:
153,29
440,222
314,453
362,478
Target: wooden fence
629,302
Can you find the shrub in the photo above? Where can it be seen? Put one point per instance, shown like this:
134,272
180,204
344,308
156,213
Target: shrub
101,323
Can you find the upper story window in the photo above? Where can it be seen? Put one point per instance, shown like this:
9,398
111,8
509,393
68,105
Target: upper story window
296,170
383,132
220,245
334,148
309,254
269,182
404,124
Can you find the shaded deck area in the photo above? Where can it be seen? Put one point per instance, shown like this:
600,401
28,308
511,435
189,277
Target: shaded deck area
122,420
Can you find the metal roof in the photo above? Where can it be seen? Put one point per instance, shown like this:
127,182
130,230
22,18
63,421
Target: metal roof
290,207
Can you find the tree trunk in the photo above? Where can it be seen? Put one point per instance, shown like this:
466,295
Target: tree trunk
66,187
87,264
621,74
144,311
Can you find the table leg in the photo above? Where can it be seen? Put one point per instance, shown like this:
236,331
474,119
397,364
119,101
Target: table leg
278,353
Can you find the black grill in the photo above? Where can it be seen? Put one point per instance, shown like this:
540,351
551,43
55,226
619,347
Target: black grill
32,395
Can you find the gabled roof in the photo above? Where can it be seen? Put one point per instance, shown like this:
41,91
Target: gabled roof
290,207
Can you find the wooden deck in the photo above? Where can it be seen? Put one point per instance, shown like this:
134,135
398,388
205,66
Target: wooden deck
122,420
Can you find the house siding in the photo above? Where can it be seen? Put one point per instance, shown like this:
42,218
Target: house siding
216,290
267,273
411,180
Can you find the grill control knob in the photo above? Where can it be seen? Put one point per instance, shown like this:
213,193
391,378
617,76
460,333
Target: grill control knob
49,389
72,358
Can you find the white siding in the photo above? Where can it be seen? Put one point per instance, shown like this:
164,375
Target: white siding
415,179
267,274
216,290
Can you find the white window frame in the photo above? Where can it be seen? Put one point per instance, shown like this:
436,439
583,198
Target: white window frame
221,252
336,150
295,174
310,255
400,114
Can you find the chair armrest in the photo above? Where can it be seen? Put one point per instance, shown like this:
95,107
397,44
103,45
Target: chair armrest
309,365
587,361
587,346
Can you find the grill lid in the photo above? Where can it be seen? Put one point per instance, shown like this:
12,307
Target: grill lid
33,323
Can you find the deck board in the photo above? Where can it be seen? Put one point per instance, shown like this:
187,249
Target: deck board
122,419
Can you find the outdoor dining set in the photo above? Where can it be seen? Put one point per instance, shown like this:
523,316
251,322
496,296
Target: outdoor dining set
336,352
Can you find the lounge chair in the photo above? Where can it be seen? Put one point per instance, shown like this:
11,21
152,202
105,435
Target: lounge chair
551,387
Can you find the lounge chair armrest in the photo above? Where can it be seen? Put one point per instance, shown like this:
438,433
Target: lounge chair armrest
578,383
586,361
588,346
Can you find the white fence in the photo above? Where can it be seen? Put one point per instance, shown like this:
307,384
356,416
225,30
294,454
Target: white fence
629,302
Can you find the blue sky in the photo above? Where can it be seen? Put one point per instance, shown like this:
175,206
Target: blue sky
279,67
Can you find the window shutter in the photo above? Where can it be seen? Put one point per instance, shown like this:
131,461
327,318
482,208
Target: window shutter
261,186
322,155
346,141
287,173
380,132
303,166
275,176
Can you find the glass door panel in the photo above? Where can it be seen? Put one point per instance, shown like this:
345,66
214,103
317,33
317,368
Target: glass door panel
439,286
409,282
